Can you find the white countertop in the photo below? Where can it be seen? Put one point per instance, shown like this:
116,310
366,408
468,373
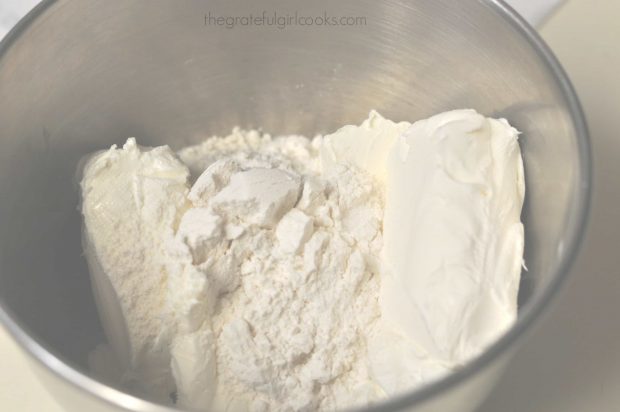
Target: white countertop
571,362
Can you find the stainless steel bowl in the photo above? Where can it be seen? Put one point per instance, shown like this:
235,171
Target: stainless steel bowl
77,76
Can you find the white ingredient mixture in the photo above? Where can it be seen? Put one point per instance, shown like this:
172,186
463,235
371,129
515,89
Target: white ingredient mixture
251,273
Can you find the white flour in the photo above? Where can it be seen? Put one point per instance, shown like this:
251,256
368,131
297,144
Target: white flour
297,286
249,273
272,278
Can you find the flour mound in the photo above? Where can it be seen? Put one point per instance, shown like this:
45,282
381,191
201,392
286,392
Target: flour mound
290,258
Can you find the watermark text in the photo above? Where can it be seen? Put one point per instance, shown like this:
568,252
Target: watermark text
280,21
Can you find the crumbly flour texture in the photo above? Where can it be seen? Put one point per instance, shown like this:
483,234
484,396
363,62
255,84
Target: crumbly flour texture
294,260
245,273
272,272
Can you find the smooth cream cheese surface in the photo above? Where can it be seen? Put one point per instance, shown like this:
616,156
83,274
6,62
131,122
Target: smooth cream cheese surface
263,273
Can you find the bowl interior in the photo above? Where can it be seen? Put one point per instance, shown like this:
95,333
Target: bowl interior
85,75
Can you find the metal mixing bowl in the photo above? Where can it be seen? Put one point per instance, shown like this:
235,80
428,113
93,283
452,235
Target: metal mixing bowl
77,76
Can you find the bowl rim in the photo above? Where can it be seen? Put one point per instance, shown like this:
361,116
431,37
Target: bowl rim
37,351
